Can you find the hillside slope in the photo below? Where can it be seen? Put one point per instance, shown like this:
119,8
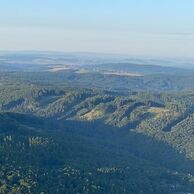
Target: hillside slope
96,135
36,158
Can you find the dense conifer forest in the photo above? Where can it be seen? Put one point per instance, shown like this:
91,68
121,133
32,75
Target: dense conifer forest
69,132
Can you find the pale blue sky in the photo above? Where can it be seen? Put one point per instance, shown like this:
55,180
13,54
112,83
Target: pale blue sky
134,27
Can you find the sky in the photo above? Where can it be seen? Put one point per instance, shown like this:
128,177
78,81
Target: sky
133,27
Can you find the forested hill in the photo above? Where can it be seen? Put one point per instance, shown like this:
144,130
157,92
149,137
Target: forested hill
167,116
122,82
61,138
39,156
94,135
111,73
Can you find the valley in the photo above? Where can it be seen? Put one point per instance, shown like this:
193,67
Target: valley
92,132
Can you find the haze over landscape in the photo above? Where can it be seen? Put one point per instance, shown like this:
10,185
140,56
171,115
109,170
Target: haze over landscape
146,28
96,97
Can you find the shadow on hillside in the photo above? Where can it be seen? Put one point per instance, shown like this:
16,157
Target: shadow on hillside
119,141
139,145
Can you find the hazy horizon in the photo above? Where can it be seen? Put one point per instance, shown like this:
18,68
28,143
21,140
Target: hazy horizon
150,28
